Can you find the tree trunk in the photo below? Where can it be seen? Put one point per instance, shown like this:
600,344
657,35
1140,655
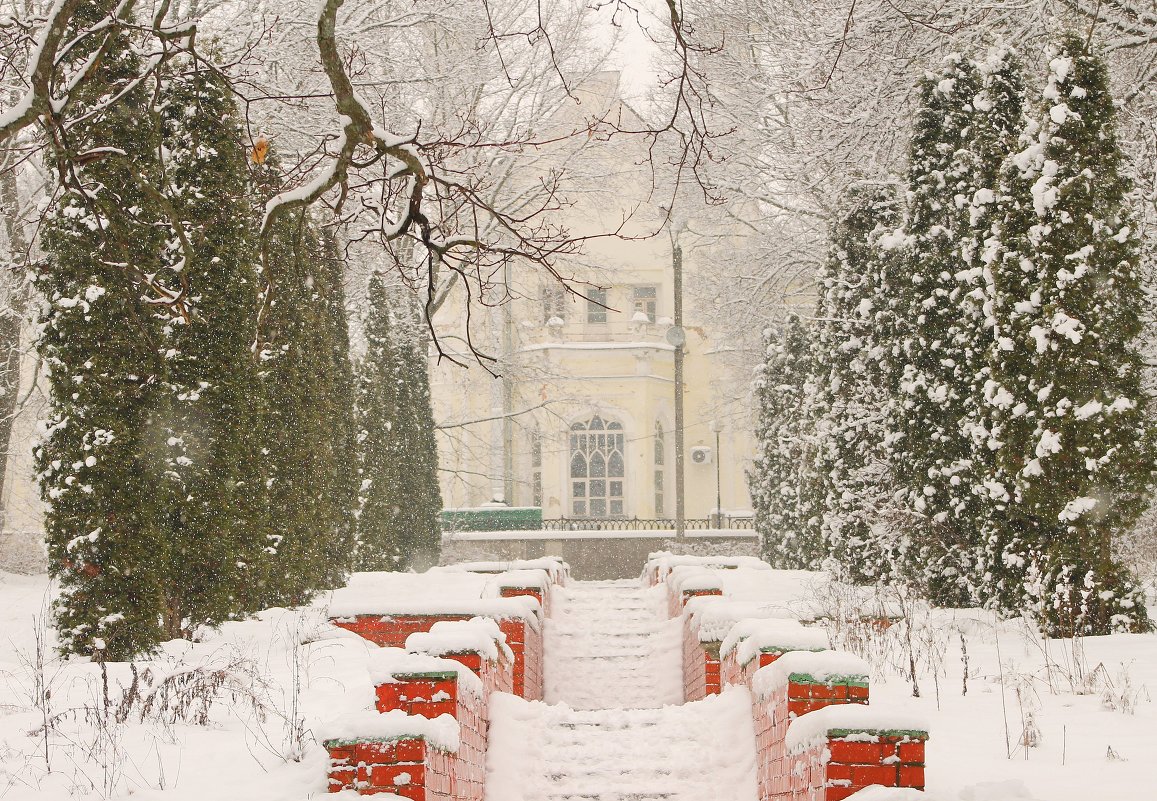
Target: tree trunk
11,314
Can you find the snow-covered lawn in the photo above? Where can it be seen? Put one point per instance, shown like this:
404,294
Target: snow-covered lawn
233,716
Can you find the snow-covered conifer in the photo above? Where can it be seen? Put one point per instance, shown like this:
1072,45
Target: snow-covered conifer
1076,454
848,476
939,341
1000,119
399,523
209,420
308,419
100,459
783,433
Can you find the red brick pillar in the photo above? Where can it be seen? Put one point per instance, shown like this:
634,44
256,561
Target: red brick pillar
700,664
533,583
836,752
392,630
399,754
525,639
795,684
759,643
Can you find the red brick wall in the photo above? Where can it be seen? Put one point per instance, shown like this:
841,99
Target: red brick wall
677,599
529,592
524,639
731,672
407,768
701,676
391,631
835,768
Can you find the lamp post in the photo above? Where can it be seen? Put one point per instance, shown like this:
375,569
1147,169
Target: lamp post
677,338
716,427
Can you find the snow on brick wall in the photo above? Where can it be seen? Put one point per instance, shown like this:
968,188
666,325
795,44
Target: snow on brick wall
700,665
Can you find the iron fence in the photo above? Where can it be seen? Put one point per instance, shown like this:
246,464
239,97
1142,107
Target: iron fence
646,524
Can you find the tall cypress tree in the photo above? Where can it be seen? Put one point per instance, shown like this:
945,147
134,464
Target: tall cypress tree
851,390
100,462
212,462
784,443
1077,453
940,338
1001,117
308,424
398,525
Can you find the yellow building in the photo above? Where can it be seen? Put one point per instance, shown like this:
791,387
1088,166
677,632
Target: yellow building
582,420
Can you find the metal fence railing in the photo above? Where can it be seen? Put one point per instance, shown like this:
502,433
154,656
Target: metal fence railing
646,524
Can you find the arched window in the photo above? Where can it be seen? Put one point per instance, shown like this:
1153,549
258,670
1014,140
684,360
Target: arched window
535,467
660,458
597,468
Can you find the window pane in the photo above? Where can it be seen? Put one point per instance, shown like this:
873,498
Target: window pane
613,426
598,507
617,468
599,466
596,424
616,507
596,303
659,479
579,489
580,509
578,466
616,489
598,488
644,292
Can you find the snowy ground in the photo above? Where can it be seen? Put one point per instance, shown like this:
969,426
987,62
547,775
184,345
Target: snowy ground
271,680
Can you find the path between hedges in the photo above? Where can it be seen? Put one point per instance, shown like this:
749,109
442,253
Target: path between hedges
613,727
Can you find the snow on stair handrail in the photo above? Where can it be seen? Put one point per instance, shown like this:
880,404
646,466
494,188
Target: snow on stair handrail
713,617
775,636
348,604
387,665
814,666
660,563
529,579
555,567
370,725
477,636
844,720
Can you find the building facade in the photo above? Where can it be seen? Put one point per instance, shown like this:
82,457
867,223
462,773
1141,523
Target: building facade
580,420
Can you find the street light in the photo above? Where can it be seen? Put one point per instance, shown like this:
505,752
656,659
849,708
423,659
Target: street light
677,338
717,427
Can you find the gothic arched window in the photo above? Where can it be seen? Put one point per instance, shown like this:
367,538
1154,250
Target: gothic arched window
597,468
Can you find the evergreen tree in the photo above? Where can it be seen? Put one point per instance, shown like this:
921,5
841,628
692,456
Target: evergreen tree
399,523
148,450
1076,455
1000,119
100,460
851,391
212,463
940,344
308,423
783,434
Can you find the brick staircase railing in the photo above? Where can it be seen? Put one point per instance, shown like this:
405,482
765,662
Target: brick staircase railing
426,738
817,737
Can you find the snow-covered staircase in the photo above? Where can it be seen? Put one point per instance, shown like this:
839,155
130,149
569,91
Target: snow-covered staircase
614,727
610,645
